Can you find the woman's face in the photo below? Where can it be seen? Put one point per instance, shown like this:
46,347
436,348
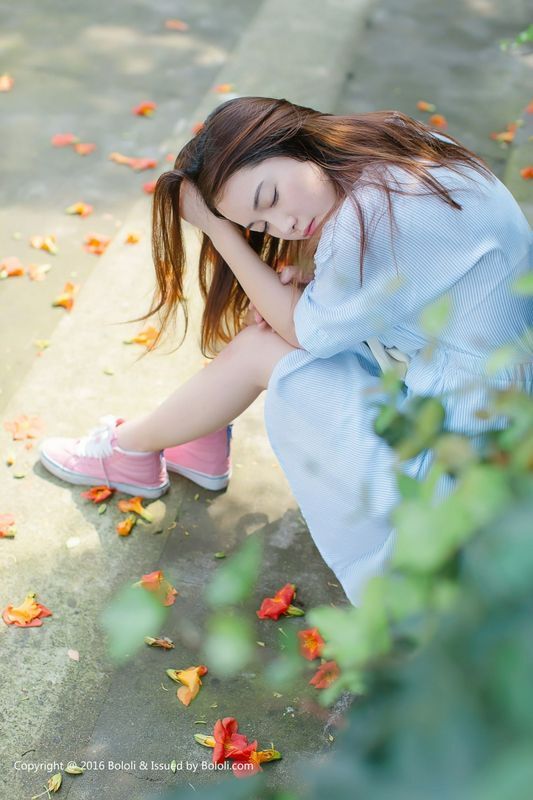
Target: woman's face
287,196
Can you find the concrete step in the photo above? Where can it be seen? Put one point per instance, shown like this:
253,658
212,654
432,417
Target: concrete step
82,70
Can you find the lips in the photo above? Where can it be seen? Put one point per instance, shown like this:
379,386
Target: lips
309,228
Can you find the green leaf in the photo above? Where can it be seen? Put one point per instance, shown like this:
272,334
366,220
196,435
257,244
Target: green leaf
525,36
236,577
508,775
131,613
435,316
425,420
355,635
286,671
384,418
390,383
73,769
502,358
405,595
523,284
409,487
230,643
454,451
428,535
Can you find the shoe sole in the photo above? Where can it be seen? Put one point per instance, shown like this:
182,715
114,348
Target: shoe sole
89,480
212,482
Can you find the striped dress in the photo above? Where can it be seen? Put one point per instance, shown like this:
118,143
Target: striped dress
320,401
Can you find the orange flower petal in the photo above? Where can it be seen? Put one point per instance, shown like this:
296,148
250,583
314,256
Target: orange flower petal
438,121
311,643
25,427
65,301
47,243
526,173
118,158
96,244
423,106
7,526
147,337
37,272
325,675
132,238
507,135
191,679
84,148
28,615
97,494
248,757
149,187
145,109
64,139
227,739
135,504
197,127
222,88
164,642
11,267
137,164
6,83
83,209
66,298
152,580
157,583
176,25
124,527
274,607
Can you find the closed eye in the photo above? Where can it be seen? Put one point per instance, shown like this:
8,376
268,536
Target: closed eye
274,201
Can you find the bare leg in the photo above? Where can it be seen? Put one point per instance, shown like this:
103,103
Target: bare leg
213,397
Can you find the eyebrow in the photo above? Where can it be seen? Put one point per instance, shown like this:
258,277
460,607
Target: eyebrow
256,203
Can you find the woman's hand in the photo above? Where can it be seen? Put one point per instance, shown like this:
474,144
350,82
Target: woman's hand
193,208
286,275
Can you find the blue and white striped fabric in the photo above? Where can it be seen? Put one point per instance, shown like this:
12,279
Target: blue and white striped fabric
319,405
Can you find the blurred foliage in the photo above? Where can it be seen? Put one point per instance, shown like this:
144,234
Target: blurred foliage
235,579
229,643
523,38
440,652
131,615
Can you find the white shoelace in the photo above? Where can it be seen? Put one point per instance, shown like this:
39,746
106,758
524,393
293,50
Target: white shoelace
97,443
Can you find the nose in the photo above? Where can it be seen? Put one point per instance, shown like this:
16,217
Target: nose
286,225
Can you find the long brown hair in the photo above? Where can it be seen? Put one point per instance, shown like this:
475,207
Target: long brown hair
245,131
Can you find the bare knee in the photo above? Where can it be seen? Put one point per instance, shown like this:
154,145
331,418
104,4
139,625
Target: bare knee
261,348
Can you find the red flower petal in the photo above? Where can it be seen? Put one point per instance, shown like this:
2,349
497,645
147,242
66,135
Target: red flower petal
274,607
64,139
325,675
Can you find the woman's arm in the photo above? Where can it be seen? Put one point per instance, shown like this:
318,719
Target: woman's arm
274,301
286,275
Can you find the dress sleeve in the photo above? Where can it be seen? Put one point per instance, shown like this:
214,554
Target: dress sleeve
428,249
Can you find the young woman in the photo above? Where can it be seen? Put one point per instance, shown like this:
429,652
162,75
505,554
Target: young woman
390,216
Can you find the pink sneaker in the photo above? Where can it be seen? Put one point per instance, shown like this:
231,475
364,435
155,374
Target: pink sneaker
206,460
96,460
